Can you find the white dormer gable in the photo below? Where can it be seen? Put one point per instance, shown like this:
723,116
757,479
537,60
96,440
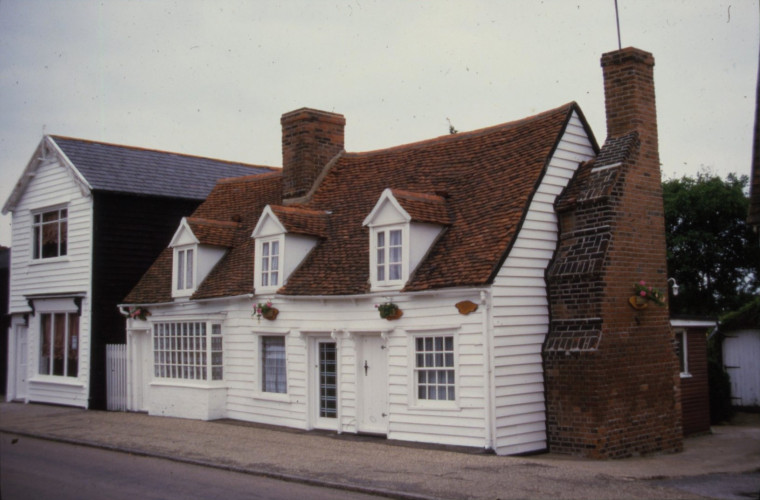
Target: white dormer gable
397,243
192,261
278,251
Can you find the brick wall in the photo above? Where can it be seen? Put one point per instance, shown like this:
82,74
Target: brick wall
612,377
310,139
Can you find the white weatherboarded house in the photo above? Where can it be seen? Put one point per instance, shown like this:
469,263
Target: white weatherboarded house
88,219
456,232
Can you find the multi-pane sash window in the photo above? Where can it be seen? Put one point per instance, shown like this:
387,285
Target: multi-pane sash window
270,263
273,370
50,234
434,367
184,269
389,252
188,351
59,344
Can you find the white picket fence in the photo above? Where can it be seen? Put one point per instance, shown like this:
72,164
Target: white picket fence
116,375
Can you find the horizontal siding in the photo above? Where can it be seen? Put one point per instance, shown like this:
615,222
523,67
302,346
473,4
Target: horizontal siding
301,320
520,307
53,186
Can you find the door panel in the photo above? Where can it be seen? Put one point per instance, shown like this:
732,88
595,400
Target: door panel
372,376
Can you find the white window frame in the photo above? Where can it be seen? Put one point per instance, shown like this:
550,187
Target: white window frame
189,272
37,230
683,352
375,264
263,267
181,354
422,403
70,342
262,366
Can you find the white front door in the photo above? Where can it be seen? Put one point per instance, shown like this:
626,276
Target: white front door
21,356
372,377
325,383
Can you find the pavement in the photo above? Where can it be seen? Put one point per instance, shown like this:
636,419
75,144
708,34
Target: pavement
396,469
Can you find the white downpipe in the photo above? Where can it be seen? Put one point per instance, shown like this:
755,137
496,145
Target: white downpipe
487,369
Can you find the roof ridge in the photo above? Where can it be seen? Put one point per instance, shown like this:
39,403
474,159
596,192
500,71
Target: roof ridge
153,150
277,172
467,134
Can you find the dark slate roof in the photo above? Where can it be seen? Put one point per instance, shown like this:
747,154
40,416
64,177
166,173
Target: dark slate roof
126,169
477,184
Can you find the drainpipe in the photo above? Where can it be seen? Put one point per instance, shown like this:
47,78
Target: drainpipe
487,369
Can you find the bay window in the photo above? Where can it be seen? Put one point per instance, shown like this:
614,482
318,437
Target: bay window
188,351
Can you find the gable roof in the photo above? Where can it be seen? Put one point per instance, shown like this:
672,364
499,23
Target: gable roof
478,184
107,167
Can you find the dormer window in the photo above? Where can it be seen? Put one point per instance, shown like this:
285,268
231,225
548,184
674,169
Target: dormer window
389,255
185,268
403,226
270,263
198,245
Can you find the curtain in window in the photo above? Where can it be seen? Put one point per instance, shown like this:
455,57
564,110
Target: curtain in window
273,365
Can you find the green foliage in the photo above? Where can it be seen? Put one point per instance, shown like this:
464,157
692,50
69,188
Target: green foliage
712,252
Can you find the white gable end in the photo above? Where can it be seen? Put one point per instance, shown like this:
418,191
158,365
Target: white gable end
183,236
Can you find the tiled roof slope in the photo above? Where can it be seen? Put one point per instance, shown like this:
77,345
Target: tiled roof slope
213,232
239,201
477,184
124,169
487,176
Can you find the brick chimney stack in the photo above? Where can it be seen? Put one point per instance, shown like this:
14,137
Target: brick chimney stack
612,377
310,139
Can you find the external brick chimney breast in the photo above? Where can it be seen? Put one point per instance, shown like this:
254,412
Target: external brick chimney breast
310,139
612,376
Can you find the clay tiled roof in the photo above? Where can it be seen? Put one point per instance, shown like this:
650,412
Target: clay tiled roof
478,184
302,221
423,207
213,232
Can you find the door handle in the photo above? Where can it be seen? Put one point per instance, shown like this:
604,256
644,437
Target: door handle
366,367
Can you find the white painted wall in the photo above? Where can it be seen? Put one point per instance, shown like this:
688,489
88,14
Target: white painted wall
53,186
521,308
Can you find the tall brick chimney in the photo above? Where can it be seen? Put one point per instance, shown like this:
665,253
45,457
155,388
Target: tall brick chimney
310,139
612,376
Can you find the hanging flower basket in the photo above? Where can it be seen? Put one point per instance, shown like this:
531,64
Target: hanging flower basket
266,311
389,311
140,313
645,294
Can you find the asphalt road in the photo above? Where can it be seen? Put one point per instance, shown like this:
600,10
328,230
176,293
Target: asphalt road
38,469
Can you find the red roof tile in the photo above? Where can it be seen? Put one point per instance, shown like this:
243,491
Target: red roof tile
478,183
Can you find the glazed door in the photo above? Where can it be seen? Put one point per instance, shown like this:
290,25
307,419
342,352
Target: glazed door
326,384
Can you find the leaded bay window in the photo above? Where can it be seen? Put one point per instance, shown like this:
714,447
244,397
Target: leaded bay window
434,368
273,365
59,344
188,351
50,234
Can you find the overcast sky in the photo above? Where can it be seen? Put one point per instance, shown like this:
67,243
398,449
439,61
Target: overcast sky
213,78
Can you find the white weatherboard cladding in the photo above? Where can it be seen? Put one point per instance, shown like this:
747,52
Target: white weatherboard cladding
53,186
520,307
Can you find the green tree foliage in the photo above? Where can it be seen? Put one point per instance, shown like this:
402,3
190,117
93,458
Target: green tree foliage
712,252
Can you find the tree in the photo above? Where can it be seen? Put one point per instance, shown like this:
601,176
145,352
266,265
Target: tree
712,252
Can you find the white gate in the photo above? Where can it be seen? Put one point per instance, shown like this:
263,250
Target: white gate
741,352
116,375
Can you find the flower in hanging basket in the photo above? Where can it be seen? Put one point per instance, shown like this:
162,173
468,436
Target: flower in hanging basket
645,293
140,313
266,310
389,311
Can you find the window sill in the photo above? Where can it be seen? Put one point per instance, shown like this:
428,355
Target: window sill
190,384
273,396
686,375
57,380
419,406
49,260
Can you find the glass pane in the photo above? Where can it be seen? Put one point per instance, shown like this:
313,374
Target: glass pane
189,269
439,343
380,239
72,365
449,359
395,271
46,325
180,270
395,254
275,248
63,238
275,266
449,343
264,250
396,237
